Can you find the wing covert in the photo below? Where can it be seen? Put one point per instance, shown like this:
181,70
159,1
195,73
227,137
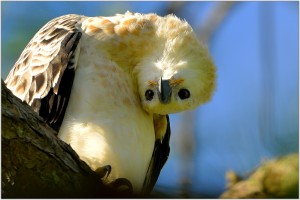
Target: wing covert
44,73
159,157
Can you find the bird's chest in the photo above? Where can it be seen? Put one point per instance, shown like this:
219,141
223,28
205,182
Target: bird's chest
106,125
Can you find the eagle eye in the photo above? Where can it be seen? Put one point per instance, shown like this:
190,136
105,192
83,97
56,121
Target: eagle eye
149,94
184,94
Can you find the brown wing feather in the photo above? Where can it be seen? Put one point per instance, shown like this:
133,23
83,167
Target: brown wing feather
44,73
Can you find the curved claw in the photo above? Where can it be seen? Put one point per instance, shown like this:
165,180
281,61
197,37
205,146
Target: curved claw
122,185
119,187
102,171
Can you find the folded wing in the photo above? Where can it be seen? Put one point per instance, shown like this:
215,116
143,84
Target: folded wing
44,73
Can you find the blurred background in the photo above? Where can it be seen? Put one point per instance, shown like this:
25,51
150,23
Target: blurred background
254,113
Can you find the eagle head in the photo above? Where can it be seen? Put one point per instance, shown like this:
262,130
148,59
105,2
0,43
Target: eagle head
179,75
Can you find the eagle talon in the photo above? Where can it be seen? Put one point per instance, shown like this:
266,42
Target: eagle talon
103,171
122,186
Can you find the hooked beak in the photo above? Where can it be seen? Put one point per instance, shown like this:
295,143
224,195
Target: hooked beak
164,91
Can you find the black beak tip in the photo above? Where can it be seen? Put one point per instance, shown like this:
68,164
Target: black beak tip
165,100
165,91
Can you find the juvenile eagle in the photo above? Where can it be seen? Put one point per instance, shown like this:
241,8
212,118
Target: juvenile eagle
107,85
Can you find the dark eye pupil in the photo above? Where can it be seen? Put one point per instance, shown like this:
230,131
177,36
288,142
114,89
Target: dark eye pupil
149,94
183,94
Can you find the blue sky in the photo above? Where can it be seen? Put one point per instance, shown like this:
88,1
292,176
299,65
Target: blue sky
253,114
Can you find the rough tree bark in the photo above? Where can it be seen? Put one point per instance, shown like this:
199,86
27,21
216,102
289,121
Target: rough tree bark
36,164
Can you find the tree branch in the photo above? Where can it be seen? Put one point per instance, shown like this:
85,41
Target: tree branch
278,178
36,164
214,19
